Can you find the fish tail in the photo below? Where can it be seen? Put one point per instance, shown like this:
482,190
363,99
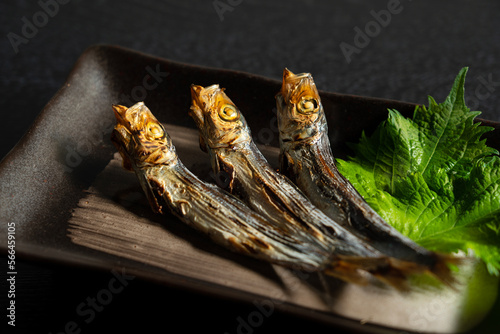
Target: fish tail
391,271
347,272
442,268
362,270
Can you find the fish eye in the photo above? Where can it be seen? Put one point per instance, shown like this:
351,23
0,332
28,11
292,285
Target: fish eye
228,112
155,130
308,105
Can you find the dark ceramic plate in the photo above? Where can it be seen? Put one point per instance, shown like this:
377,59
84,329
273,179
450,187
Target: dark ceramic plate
71,202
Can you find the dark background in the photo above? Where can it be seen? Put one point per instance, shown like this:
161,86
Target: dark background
418,53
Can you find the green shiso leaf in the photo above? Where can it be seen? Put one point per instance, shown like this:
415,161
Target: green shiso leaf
433,177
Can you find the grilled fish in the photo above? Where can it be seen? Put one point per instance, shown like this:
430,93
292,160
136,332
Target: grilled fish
147,149
225,135
307,159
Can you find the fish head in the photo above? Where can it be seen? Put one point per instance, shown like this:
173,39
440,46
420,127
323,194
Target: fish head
141,140
300,112
219,121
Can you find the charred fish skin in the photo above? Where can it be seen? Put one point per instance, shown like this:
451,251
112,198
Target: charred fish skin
306,157
227,222
225,135
147,149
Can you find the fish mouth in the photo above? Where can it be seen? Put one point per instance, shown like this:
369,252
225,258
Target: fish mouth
202,103
131,117
202,99
219,121
121,135
296,85
122,127
134,140
198,104
127,119
120,112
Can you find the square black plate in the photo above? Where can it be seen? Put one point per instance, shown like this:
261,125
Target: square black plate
71,202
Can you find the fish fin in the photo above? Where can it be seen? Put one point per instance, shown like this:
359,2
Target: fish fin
286,163
127,164
153,189
283,164
225,174
202,143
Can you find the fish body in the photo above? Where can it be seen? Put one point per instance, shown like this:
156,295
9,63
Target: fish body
225,135
307,159
147,150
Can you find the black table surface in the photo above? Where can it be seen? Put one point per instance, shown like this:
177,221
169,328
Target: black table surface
404,50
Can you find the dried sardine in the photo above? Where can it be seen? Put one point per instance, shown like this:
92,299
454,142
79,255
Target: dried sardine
307,159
